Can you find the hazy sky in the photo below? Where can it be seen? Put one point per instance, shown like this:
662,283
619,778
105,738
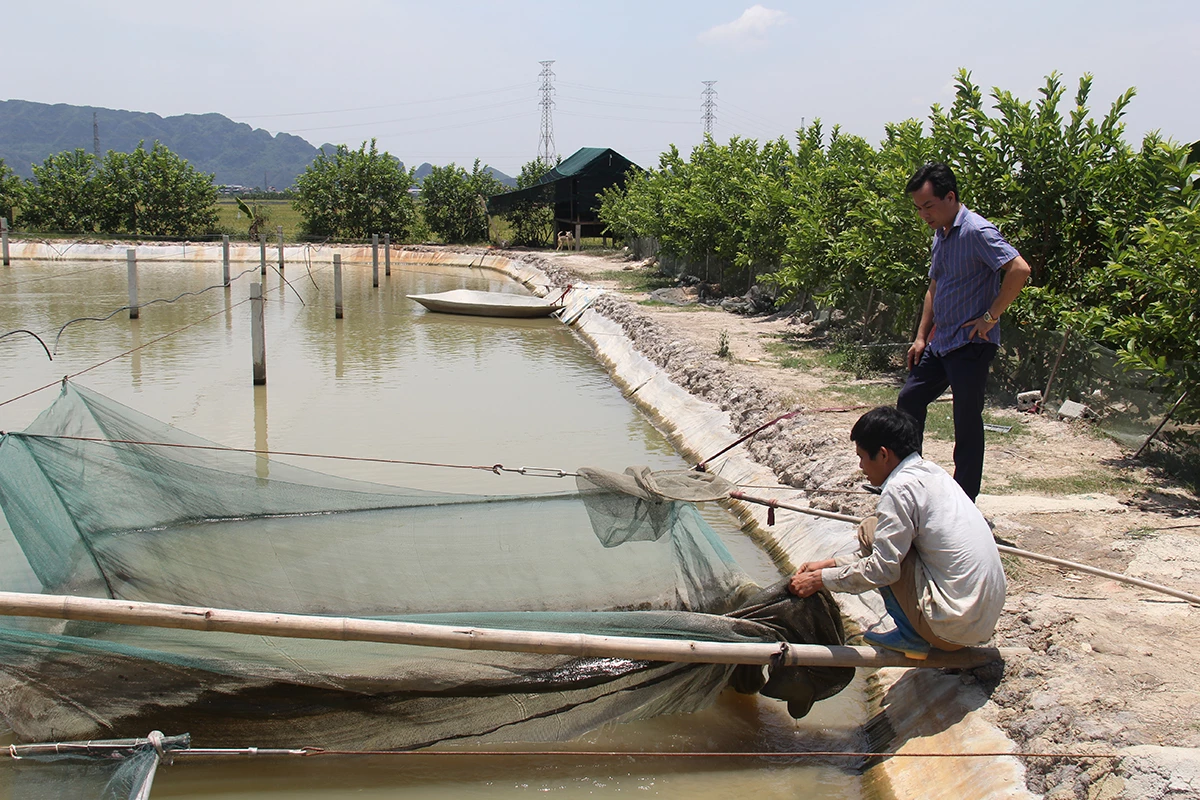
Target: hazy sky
457,79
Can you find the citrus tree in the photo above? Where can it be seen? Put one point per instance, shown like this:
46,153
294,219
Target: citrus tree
354,193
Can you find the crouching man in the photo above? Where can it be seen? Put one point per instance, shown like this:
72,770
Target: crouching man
928,549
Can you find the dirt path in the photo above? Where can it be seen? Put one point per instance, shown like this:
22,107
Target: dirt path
1112,666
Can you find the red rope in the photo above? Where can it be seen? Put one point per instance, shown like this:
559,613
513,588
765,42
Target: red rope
317,751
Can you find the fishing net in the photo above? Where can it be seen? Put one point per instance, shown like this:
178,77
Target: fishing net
104,770
94,509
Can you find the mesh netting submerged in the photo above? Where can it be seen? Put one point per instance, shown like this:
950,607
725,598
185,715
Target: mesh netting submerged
223,529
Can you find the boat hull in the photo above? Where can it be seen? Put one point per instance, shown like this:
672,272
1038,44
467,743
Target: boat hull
486,304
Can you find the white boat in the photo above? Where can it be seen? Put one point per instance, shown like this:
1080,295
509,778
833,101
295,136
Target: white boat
487,304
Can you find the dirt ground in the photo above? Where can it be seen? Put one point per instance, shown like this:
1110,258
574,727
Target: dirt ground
1112,666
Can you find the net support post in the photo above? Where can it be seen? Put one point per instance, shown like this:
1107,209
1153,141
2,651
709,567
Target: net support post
131,269
225,260
387,255
4,240
262,253
279,234
375,260
258,340
578,235
337,286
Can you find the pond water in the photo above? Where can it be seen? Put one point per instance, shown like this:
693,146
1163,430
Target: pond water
393,381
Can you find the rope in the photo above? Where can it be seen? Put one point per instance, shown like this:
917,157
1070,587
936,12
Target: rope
34,335
119,355
536,472
150,303
320,751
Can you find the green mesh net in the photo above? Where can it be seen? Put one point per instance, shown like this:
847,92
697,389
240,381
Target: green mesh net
95,770
92,509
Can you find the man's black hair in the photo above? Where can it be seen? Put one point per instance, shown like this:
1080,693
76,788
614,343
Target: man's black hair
940,175
886,426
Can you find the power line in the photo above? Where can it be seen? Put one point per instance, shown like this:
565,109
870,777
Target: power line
512,87
546,149
623,91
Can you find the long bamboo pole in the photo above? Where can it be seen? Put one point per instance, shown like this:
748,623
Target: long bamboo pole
348,629
1014,551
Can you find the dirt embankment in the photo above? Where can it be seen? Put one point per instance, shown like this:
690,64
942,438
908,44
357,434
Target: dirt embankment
1113,667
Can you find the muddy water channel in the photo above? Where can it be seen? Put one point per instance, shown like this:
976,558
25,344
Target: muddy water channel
394,381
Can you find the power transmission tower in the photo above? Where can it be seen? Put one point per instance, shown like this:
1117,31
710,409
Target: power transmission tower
710,106
546,150
95,136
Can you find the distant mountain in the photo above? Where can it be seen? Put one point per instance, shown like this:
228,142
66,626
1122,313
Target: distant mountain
426,168
234,152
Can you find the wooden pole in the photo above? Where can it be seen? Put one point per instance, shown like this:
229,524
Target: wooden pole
578,237
258,340
225,259
4,240
131,270
262,253
1014,551
375,260
1168,416
279,233
351,629
1062,348
337,285
387,255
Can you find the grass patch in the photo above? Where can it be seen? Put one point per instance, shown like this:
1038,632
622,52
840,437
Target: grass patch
1140,533
939,424
279,212
1014,567
1090,482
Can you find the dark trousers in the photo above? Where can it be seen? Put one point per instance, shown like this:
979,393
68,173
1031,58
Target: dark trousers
965,371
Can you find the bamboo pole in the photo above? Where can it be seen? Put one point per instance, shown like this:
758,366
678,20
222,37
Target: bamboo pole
1165,419
348,629
1014,551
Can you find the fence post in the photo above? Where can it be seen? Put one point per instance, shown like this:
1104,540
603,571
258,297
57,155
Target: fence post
578,237
131,263
225,259
4,239
279,232
258,342
262,253
387,255
375,260
337,285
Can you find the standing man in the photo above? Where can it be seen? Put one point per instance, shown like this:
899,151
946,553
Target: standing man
928,549
959,331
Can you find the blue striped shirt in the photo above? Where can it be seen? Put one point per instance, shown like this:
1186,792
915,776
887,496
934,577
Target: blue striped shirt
965,267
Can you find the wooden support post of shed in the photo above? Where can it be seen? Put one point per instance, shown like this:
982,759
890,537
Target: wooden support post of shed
279,233
262,253
387,255
4,240
375,260
131,264
578,237
258,341
225,260
337,285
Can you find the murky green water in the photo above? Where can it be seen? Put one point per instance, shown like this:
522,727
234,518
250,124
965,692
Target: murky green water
394,381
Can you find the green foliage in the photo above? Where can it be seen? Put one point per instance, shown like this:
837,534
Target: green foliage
532,222
12,191
356,193
1112,233
258,215
151,193
62,196
454,202
723,350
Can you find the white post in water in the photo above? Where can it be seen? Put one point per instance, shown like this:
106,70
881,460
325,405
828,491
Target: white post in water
375,260
225,259
258,340
337,285
262,253
4,239
279,233
387,255
131,263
